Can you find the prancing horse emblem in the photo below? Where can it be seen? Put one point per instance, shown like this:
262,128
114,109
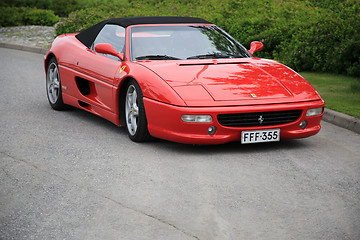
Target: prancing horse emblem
261,119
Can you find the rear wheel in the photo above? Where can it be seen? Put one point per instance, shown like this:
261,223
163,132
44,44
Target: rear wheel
53,85
135,116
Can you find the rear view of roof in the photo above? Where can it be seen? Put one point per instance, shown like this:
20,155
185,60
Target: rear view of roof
88,36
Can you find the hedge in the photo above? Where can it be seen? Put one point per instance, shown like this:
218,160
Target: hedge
13,16
307,35
60,7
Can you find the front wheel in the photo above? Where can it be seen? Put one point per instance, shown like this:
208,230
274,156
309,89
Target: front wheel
135,116
53,85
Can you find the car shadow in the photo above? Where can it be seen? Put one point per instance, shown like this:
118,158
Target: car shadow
85,116
232,147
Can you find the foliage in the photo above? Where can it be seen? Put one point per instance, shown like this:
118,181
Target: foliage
40,17
307,35
302,35
60,7
12,16
84,18
40,4
63,7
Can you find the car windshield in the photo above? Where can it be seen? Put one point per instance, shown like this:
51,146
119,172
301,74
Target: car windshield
183,42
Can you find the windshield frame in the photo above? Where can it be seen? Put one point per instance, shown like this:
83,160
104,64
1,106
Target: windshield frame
242,49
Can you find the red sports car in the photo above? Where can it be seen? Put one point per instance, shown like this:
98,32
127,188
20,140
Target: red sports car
181,79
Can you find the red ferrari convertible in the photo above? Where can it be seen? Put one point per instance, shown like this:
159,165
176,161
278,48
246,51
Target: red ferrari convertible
181,79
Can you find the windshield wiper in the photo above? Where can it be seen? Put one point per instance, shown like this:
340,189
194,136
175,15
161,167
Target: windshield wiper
156,57
215,55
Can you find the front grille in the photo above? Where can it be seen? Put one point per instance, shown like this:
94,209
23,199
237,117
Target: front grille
258,119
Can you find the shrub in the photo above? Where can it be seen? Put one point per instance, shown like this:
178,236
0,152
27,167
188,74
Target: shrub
60,7
26,3
85,18
13,16
64,7
301,34
40,17
312,35
81,19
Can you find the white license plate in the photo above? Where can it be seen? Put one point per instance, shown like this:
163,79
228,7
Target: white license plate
258,136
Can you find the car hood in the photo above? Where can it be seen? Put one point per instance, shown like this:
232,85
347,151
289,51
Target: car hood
233,81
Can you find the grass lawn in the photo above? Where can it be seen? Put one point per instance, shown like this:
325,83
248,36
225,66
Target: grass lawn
341,93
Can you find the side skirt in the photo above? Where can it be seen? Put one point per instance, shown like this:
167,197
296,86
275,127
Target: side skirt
112,117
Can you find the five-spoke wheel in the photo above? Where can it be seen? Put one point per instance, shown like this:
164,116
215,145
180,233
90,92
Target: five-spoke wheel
53,85
135,117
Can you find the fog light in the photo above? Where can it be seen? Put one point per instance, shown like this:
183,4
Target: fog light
303,124
196,118
211,130
314,112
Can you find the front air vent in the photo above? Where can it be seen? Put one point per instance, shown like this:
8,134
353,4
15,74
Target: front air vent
258,119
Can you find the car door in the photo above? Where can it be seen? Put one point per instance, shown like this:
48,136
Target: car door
98,78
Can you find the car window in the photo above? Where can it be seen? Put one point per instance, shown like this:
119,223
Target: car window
183,42
114,35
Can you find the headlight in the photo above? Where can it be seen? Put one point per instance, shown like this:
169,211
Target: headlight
196,118
314,112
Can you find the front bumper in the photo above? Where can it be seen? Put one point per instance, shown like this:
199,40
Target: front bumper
164,121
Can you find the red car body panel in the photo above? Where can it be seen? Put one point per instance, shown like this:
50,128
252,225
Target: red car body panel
164,121
234,82
76,60
172,88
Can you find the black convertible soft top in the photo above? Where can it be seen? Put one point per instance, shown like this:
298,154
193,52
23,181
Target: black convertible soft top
88,36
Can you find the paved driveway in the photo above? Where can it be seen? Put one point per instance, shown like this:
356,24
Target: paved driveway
73,175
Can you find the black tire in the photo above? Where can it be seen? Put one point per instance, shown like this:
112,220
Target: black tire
135,116
53,85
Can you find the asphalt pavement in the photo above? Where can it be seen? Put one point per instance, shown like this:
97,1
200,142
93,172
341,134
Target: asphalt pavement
73,175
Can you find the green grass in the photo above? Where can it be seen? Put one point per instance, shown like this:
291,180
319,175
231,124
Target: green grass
341,93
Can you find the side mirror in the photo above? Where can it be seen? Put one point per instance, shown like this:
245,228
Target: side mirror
106,48
255,46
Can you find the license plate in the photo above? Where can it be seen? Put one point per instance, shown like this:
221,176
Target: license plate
259,136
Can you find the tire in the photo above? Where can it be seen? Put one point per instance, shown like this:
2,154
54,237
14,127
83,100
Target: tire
53,85
135,116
